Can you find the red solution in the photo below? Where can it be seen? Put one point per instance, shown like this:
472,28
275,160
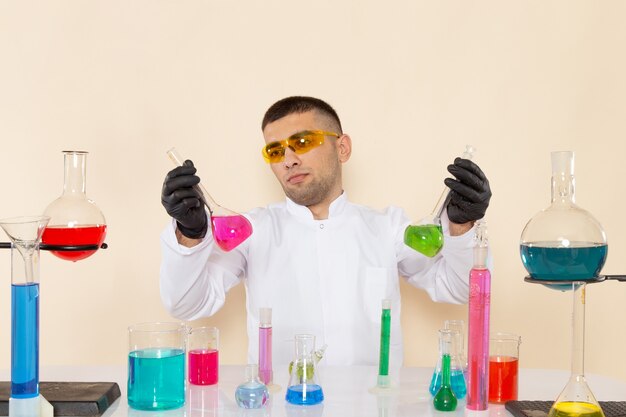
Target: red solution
203,366
230,231
502,378
74,236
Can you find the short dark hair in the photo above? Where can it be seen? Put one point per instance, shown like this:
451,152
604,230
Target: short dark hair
299,104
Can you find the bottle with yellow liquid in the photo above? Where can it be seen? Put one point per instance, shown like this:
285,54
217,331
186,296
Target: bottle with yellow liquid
576,399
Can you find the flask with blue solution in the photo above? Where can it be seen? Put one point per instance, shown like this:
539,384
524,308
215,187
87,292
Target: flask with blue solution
252,393
304,387
457,378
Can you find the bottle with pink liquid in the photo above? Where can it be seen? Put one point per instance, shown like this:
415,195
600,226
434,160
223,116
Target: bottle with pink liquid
265,345
229,229
478,329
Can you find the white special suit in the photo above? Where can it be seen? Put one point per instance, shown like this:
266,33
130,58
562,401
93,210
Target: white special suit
323,277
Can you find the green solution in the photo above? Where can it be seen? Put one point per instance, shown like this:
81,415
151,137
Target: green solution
445,399
385,334
575,409
426,238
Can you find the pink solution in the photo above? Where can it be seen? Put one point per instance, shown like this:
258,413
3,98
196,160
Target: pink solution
478,339
203,366
230,231
265,355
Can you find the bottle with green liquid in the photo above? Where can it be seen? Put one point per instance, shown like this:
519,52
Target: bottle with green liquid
445,400
426,236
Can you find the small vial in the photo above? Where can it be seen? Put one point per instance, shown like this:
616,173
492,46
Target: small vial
252,393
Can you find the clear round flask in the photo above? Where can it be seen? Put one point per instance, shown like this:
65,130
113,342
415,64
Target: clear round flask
426,235
304,387
563,242
229,229
448,346
252,393
75,220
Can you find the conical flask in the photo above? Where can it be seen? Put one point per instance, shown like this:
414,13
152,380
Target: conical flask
426,235
75,220
304,387
563,242
576,399
229,229
25,234
448,346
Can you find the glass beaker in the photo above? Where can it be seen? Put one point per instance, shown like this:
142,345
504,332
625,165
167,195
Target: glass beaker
303,387
252,393
25,233
448,346
156,366
503,367
229,229
563,241
426,235
75,220
445,398
203,348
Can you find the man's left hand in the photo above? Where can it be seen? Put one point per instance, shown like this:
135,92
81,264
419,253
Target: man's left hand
469,192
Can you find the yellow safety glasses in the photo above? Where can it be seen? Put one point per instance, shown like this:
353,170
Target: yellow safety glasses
300,143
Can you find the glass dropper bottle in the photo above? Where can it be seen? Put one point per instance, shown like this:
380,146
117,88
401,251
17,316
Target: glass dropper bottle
229,229
426,236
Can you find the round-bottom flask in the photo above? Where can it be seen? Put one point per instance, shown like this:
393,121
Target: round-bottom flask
448,340
252,393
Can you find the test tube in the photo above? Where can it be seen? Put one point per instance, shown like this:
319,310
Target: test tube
265,345
385,333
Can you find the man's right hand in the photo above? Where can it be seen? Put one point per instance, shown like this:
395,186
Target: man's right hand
183,201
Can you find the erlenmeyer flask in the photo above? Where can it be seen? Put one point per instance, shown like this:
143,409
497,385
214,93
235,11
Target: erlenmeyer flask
426,235
448,345
75,220
303,387
229,229
563,242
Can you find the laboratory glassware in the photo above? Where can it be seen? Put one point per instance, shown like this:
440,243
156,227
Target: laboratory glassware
457,379
426,236
563,241
266,374
478,329
445,398
75,220
503,367
385,334
203,355
229,229
460,326
304,387
25,235
156,366
252,393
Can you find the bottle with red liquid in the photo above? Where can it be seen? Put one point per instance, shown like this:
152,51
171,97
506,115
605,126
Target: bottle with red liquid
75,220
229,229
203,348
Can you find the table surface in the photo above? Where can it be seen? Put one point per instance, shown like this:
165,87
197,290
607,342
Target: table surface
346,392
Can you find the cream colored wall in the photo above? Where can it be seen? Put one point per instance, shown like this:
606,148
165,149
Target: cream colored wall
414,81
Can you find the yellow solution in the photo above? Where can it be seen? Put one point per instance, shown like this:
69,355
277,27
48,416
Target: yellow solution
575,409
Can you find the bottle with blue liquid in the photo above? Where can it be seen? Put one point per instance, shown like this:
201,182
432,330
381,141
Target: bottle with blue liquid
304,387
450,339
563,242
252,393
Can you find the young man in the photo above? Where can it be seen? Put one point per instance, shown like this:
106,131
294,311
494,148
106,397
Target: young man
321,262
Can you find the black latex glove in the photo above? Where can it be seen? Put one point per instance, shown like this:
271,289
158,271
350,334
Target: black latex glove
183,202
469,192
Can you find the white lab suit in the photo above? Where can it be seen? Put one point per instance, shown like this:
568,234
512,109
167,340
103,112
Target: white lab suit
324,277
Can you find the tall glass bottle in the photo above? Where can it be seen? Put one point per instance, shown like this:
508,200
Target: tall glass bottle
75,220
445,400
478,314
563,242
303,387
25,234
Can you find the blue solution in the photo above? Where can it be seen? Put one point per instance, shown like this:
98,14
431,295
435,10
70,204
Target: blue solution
296,394
457,383
582,260
251,395
25,340
156,379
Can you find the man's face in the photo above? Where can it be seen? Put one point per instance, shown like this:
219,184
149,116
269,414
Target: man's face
313,177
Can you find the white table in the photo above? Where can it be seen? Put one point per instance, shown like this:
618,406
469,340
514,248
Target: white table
345,391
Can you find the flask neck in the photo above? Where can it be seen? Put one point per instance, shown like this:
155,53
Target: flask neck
75,172
563,188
